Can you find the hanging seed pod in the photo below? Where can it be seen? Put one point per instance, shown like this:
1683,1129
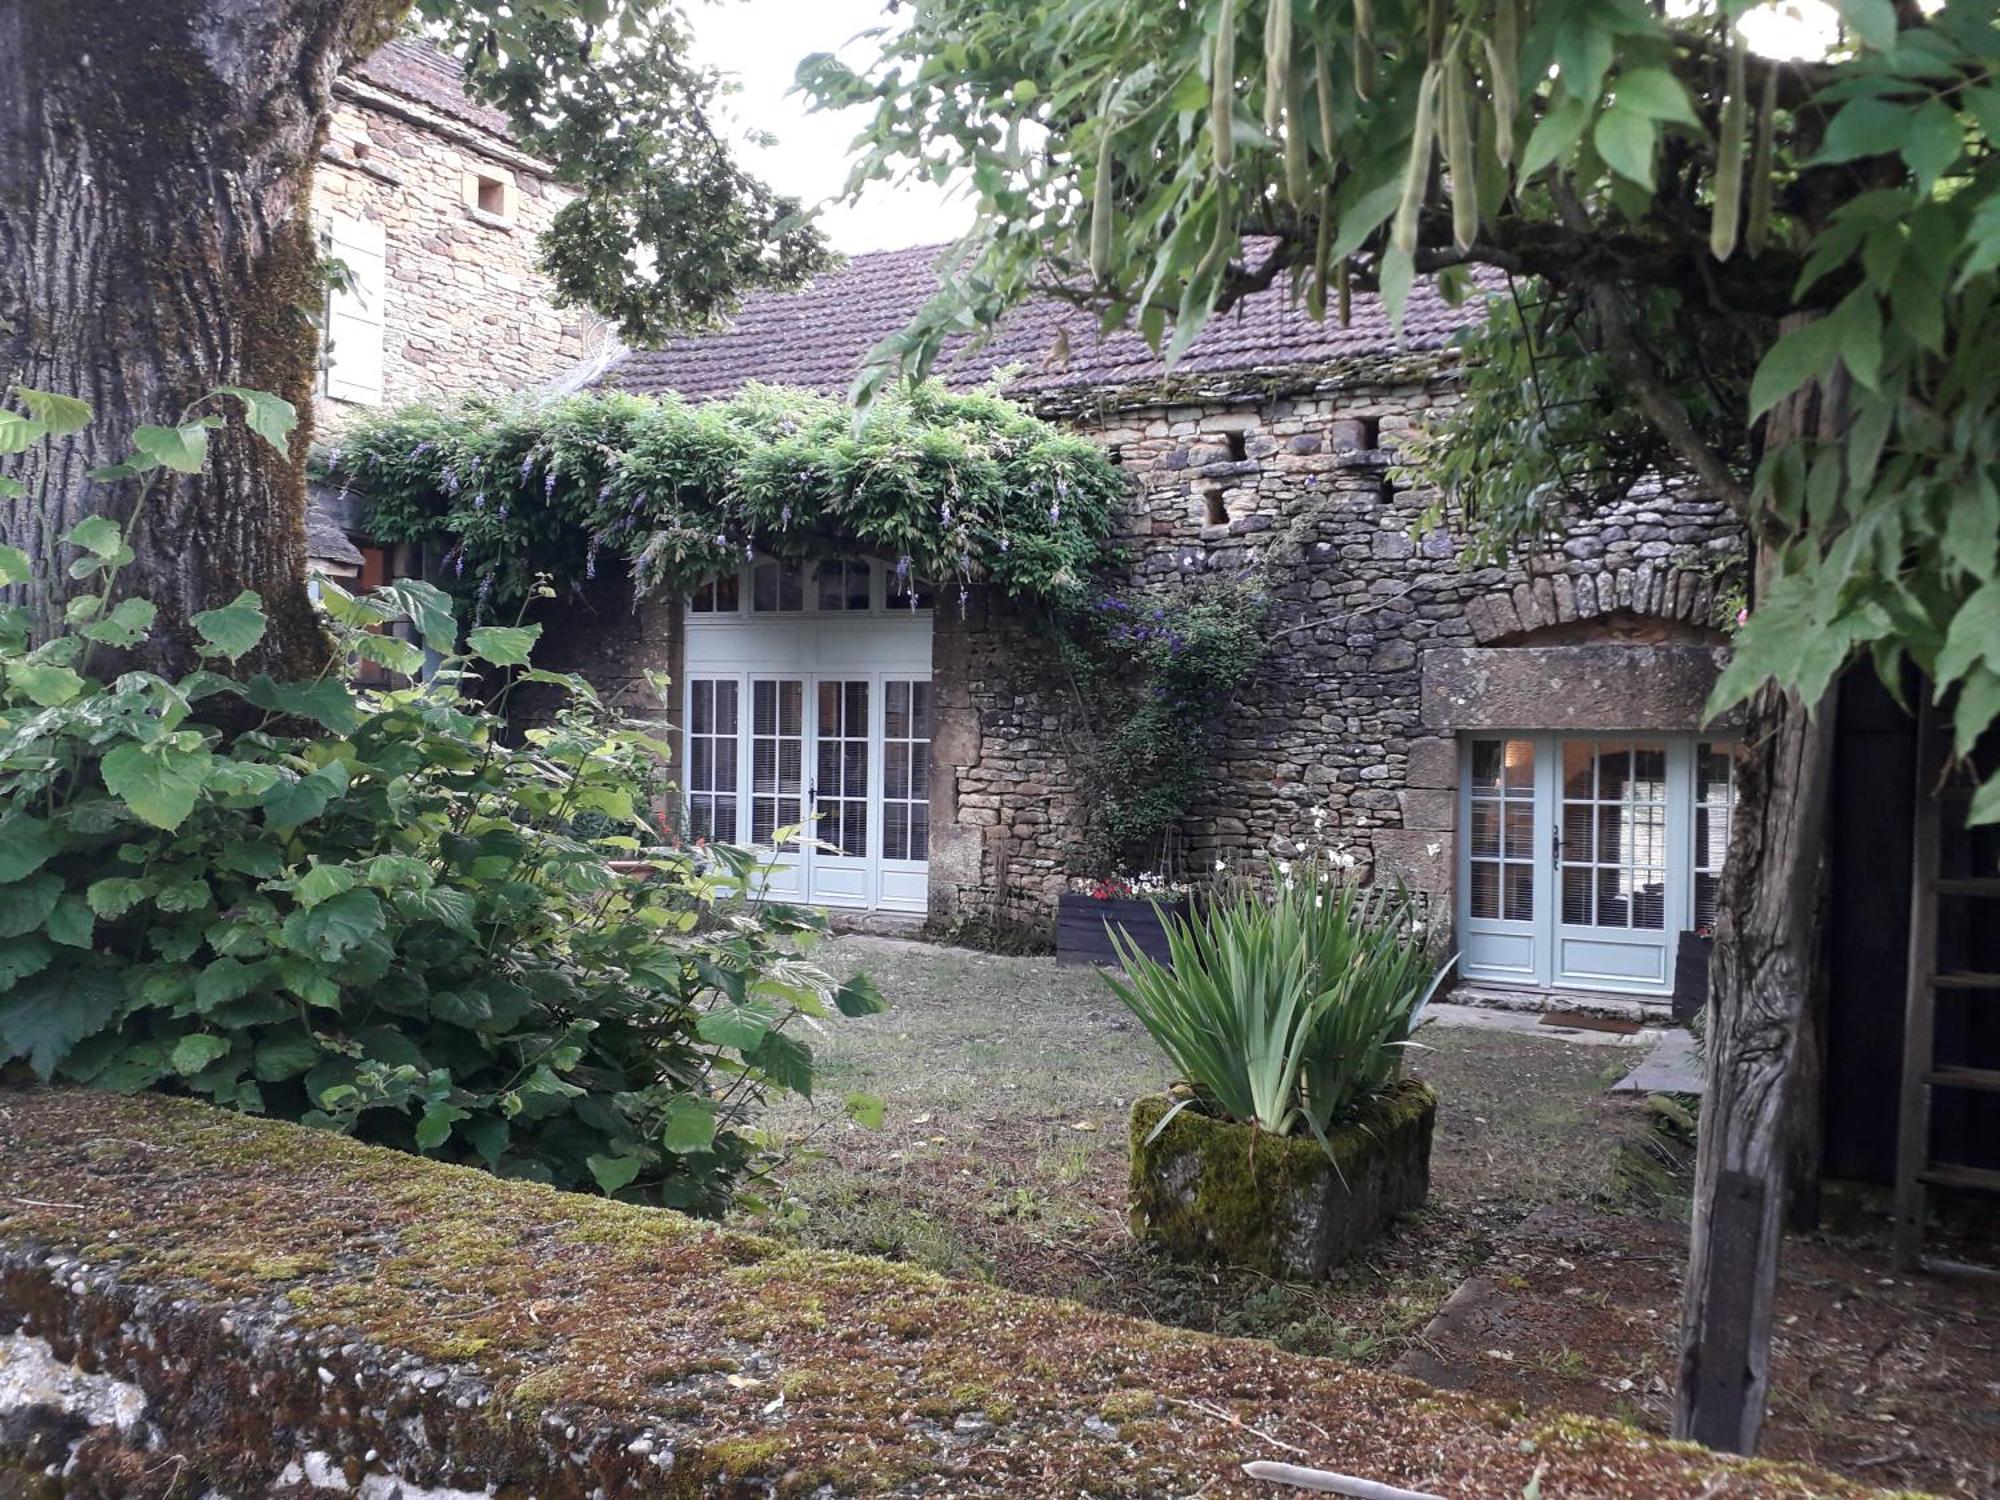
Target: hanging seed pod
1220,243
1323,87
1222,88
1416,177
1458,155
1757,228
1364,47
1434,18
1100,210
1298,177
1277,62
1503,57
1344,285
1322,253
1729,147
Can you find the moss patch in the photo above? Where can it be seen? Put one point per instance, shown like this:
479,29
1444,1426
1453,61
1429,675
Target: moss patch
582,1345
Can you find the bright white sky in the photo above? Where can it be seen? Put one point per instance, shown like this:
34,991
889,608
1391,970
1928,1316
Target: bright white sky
760,43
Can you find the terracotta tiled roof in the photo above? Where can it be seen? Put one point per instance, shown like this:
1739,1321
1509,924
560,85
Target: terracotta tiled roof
816,337
417,70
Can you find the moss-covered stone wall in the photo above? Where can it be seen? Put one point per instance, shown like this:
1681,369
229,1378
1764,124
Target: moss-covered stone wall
195,1303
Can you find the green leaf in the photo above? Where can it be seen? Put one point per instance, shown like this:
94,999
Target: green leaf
286,1053
100,536
225,979
690,1125
434,1129
859,997
613,1172
1624,138
59,416
26,842
738,1026
1799,356
72,923
14,567
327,701
45,684
18,432
865,1110
1654,93
1974,635
43,1018
291,803
428,608
113,897
21,956
453,908
25,904
395,653
1868,126
1873,21
334,926
159,780
196,1051
271,417
183,449
322,882
503,645
233,629
1935,140
127,625
786,1062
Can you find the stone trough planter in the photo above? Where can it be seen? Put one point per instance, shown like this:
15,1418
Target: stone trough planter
1213,1190
1082,936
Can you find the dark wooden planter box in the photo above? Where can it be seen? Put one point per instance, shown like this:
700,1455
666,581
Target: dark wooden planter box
1691,957
1083,938
1213,1190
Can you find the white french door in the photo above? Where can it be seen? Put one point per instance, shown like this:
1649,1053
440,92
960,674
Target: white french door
1584,858
844,760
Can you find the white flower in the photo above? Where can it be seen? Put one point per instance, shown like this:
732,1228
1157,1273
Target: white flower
1318,902
1344,860
1285,868
1221,865
1432,849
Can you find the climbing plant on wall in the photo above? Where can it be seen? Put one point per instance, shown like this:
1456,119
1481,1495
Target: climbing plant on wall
964,488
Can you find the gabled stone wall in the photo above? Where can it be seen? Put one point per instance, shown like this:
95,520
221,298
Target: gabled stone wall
1294,476
466,308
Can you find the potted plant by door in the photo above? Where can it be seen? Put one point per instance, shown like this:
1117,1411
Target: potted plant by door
1139,905
1294,1136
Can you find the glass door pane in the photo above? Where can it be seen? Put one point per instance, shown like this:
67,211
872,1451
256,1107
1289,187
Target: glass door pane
840,792
712,758
906,766
1714,805
1613,852
1500,837
777,755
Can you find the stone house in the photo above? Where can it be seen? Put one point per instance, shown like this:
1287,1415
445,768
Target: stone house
1522,743
435,216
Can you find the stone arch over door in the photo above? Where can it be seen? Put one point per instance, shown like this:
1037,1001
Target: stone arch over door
1675,602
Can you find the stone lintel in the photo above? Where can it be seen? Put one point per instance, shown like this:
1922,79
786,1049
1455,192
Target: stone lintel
1620,688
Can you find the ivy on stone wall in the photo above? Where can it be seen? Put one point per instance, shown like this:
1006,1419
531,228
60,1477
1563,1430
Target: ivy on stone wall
964,488
1155,668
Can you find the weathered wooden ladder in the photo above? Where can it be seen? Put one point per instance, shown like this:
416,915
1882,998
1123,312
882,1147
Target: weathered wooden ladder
1917,1169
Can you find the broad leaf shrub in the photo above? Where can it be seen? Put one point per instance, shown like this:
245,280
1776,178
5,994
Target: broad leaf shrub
1286,1008
368,911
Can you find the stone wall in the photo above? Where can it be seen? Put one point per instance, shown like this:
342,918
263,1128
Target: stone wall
195,1303
465,308
1297,480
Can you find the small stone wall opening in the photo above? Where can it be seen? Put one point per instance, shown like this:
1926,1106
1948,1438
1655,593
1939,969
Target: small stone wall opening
1215,508
492,196
1239,447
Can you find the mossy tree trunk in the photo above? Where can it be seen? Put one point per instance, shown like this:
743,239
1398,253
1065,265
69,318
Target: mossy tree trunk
155,166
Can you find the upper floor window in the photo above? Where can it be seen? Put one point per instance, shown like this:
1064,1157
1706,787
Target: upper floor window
843,583
489,196
716,595
778,587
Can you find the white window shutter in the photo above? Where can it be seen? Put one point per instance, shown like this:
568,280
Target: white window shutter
354,314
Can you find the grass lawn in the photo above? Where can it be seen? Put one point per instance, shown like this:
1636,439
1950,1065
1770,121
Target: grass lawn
1004,1154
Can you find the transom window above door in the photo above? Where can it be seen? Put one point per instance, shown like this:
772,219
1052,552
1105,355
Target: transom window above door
836,585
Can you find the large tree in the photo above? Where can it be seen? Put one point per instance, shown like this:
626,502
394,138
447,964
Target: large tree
1774,277
155,243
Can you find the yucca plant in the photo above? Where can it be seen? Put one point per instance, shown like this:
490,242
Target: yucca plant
1284,1011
